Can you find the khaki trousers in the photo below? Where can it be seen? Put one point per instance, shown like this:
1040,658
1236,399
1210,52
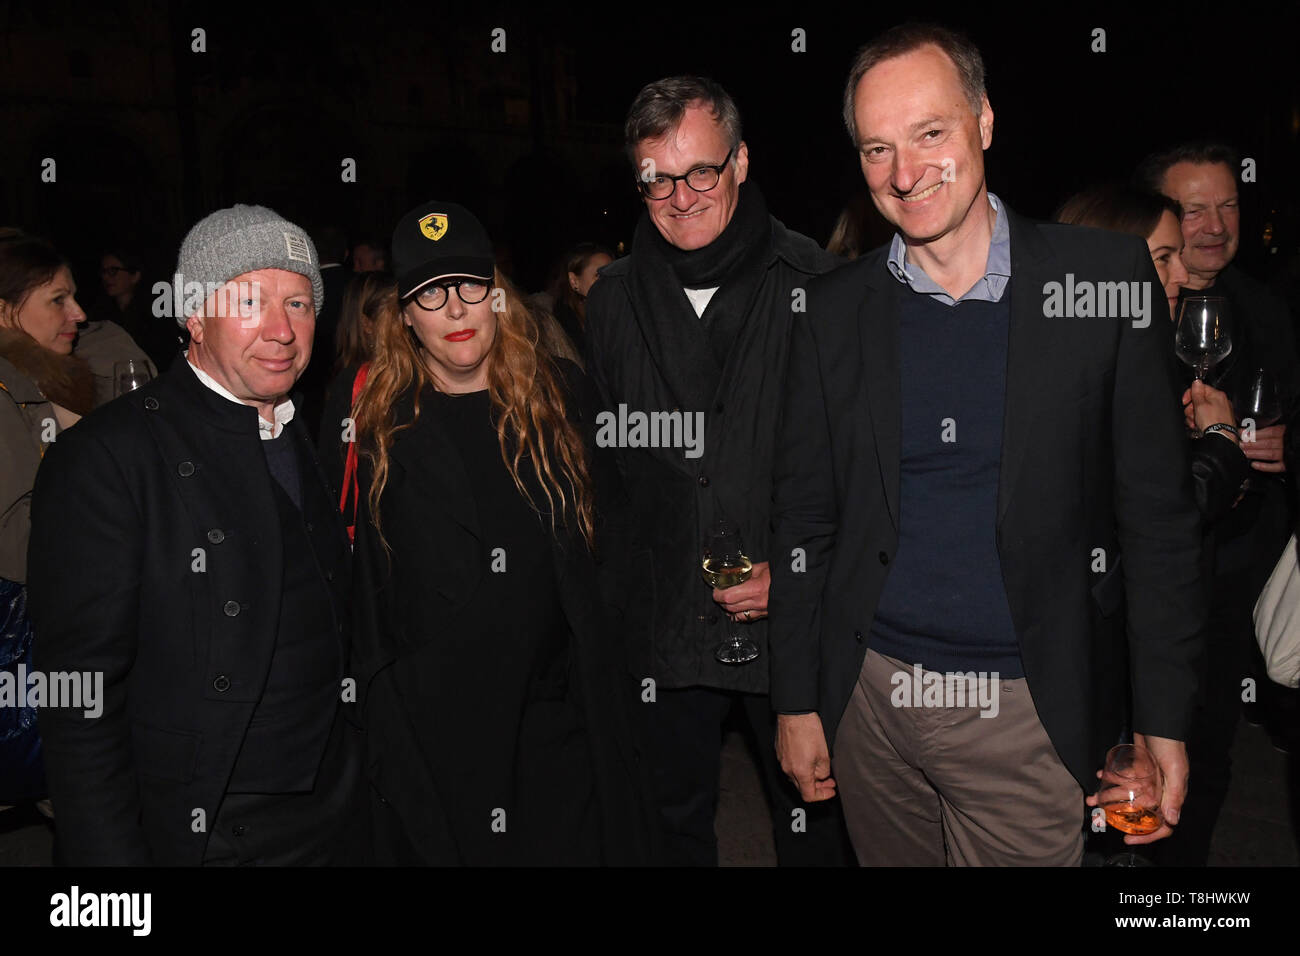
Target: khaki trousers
928,784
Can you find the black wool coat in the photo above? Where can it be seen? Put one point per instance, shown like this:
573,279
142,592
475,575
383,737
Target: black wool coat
156,559
428,490
674,623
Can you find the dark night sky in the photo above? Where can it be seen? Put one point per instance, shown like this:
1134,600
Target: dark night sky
1065,117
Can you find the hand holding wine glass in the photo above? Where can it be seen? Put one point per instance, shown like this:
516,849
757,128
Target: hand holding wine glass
747,602
1204,405
725,565
1131,790
1170,756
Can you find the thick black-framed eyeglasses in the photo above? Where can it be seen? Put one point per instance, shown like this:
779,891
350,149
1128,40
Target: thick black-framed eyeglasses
701,179
433,297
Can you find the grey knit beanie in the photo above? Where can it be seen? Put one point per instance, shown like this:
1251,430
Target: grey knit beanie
242,239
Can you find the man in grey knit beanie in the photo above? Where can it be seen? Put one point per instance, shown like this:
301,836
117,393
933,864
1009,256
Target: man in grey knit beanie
252,287
218,614
241,239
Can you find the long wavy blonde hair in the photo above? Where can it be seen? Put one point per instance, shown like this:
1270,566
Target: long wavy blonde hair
528,404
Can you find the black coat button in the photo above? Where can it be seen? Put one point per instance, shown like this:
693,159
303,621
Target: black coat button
718,408
185,469
713,619
704,481
216,536
310,528
857,636
221,684
329,575
884,558
231,608
151,403
239,829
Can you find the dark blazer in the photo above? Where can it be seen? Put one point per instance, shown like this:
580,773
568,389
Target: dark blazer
165,494
430,490
1093,456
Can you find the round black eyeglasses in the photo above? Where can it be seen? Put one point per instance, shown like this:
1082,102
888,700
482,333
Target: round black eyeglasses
433,297
701,179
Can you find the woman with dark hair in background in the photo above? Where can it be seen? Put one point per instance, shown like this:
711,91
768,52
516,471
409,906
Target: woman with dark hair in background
363,301
43,390
488,669
355,337
859,228
570,287
120,271
1218,464
1219,469
126,304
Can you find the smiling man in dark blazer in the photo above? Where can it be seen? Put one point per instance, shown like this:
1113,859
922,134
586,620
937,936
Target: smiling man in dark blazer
218,606
982,418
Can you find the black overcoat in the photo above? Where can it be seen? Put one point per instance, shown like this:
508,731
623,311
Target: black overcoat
674,499
428,489
156,559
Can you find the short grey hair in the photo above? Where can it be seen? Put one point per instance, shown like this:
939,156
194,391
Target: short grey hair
908,38
659,107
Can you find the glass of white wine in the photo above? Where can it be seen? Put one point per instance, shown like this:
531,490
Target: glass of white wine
725,566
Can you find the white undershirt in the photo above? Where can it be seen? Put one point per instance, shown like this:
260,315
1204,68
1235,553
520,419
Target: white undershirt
700,299
265,430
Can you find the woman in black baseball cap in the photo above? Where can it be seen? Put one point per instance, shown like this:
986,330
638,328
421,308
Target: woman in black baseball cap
489,678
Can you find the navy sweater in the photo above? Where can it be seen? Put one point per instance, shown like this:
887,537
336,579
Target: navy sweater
944,605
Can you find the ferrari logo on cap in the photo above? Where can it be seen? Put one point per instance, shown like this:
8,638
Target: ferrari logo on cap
434,226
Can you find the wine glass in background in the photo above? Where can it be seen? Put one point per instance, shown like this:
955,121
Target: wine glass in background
130,375
1204,336
1257,400
725,565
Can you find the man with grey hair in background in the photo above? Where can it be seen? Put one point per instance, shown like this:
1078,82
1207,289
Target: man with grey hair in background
697,320
218,608
1202,178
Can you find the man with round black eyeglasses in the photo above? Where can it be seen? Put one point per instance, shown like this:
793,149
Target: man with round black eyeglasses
695,323
701,179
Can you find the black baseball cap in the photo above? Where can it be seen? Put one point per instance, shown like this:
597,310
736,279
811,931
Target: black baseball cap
437,240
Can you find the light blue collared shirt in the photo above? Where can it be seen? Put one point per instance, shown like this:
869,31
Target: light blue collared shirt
997,271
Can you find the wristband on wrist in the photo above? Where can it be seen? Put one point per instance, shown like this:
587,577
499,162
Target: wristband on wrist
1221,427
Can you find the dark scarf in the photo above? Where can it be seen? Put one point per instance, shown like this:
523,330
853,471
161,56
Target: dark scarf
695,348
